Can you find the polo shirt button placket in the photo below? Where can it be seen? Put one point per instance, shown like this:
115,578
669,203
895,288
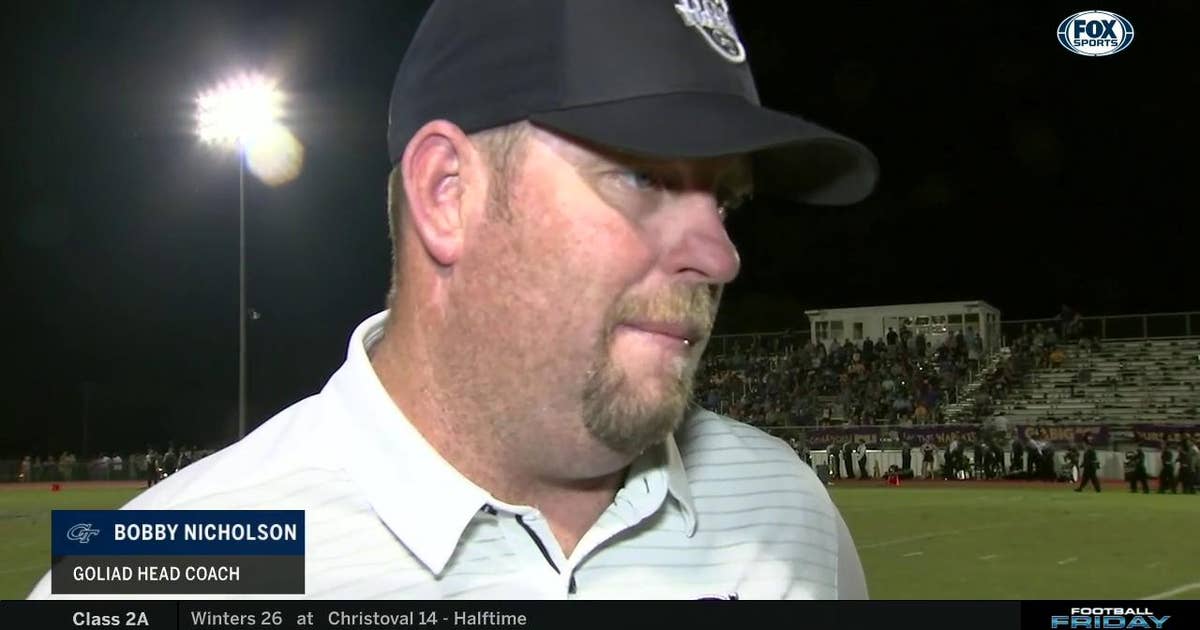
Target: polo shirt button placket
526,523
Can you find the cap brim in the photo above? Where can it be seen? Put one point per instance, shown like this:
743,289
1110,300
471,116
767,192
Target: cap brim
792,157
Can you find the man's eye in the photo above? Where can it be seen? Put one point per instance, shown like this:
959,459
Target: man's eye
639,180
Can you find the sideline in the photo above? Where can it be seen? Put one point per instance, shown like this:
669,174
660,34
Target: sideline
1175,591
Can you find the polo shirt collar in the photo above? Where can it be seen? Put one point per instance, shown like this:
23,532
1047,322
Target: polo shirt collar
419,496
424,501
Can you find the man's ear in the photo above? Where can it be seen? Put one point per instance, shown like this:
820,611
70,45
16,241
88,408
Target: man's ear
436,174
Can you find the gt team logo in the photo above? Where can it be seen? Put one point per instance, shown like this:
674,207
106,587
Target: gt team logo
1099,618
1095,33
711,18
82,533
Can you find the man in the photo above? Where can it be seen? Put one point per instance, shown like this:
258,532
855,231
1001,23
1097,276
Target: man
153,471
995,457
952,462
26,473
1071,469
927,454
517,424
1135,470
1189,457
848,458
1167,479
905,455
1091,463
835,461
1017,465
979,460
861,451
1033,457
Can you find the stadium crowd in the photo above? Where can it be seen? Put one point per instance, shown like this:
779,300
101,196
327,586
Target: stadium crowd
896,379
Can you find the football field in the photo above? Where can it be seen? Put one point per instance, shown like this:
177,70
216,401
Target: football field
923,540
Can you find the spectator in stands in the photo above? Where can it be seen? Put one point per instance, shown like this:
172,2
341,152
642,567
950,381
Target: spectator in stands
920,344
960,346
974,349
1051,339
892,338
1057,358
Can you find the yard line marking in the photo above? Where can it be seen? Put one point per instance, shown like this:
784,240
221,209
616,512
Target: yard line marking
1175,591
1153,564
990,556
915,553
950,532
1067,561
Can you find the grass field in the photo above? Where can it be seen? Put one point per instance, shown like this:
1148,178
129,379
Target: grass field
935,540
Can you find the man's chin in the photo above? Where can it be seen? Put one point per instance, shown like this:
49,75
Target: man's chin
638,414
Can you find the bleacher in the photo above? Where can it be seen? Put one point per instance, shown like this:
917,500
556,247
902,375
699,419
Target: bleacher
1123,382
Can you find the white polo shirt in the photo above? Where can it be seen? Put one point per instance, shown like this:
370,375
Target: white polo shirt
721,509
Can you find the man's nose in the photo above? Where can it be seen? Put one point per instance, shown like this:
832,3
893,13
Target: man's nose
697,242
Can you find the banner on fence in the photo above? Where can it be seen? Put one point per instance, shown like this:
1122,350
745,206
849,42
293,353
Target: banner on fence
939,434
1067,433
1156,434
822,437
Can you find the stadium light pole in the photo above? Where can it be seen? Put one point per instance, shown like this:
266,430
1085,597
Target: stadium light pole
232,115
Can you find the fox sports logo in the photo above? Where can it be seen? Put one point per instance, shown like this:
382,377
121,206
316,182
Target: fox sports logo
1095,33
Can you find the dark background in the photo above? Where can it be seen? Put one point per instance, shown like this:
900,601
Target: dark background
1013,172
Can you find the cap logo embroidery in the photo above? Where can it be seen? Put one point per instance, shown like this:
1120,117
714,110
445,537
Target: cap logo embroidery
711,18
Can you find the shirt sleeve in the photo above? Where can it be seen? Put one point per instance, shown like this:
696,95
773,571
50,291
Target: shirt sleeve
41,590
852,582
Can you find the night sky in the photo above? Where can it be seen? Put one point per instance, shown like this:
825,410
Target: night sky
1012,171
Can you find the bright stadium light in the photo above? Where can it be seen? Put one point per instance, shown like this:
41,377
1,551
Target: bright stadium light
237,111
238,114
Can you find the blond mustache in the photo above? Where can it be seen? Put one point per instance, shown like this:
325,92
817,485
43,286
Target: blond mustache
693,306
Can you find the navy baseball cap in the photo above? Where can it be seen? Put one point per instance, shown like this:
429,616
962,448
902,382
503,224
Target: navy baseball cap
656,78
